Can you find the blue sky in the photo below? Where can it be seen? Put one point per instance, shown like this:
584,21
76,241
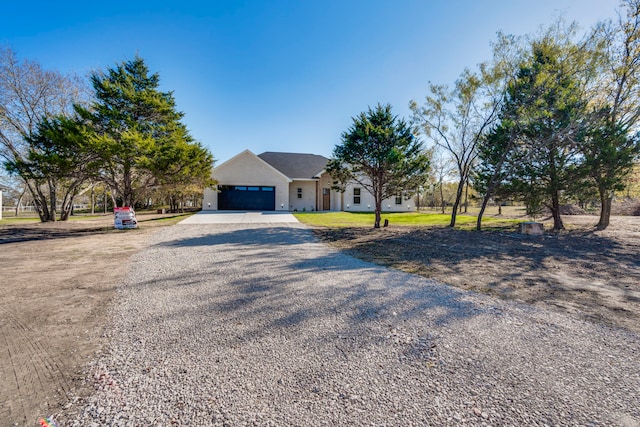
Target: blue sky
281,75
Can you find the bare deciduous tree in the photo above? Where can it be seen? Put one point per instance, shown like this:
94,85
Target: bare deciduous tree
29,94
613,145
455,120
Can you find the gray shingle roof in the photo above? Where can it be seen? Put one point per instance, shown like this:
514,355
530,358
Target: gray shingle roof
296,165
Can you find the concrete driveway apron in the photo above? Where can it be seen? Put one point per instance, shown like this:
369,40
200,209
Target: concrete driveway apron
240,217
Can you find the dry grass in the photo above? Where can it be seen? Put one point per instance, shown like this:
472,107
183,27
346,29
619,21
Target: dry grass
593,274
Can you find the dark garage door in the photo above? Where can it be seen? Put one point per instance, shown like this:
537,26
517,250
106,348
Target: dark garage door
246,198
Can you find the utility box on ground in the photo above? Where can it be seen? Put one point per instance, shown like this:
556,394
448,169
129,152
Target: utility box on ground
531,228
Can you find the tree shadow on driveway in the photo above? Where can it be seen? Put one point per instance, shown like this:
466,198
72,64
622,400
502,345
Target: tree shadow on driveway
284,277
253,234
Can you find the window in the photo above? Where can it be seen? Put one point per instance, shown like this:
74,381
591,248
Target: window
398,200
299,193
253,188
356,196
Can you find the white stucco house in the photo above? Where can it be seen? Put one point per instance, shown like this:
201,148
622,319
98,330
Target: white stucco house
291,182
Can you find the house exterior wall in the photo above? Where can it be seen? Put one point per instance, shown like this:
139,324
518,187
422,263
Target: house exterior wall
210,200
307,200
336,196
312,198
248,169
367,202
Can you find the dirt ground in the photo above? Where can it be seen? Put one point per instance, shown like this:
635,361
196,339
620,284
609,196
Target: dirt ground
593,274
56,281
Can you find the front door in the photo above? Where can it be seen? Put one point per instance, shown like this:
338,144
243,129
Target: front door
326,199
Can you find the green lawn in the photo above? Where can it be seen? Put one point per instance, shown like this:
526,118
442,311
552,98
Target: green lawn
366,219
12,220
141,217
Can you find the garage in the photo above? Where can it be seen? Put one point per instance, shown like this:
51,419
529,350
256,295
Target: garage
246,198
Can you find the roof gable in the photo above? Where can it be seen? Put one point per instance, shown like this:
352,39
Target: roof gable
296,165
244,160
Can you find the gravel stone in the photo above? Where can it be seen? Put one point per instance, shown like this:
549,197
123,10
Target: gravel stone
219,325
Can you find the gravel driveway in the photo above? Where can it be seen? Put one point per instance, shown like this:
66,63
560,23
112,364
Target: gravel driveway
264,325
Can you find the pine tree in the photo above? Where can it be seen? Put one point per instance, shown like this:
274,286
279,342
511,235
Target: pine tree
131,119
549,109
379,152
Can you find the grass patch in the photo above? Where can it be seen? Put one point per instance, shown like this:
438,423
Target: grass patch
167,220
143,217
12,220
413,219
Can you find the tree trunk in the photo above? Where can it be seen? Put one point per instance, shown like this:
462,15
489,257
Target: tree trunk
40,208
40,202
127,190
466,196
377,213
442,198
555,212
456,204
485,200
67,210
19,202
52,200
93,200
605,210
